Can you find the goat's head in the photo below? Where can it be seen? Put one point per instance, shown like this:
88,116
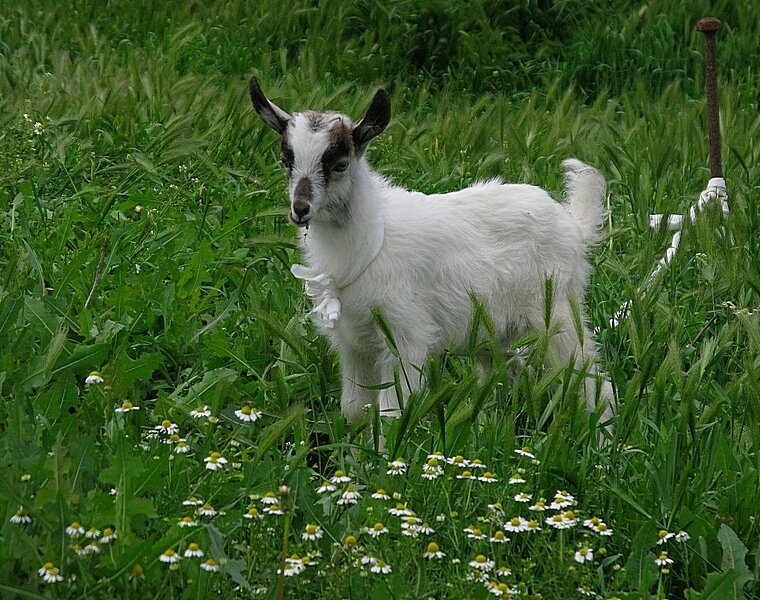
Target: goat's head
320,152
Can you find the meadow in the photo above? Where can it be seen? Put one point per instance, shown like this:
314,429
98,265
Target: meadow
169,417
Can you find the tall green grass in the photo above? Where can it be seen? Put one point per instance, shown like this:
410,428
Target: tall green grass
143,236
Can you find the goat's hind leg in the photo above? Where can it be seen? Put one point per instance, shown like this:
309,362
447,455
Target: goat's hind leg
359,374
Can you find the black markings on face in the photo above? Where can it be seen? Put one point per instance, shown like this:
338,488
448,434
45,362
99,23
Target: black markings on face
338,153
286,154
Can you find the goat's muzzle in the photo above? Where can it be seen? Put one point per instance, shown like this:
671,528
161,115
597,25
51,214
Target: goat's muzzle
301,204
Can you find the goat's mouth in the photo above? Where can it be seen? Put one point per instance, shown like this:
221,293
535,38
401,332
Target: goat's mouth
299,221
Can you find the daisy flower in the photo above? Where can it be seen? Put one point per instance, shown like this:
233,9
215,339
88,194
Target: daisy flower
350,541
253,513
585,590
425,529
592,523
459,461
663,560
400,510
215,461
523,497
380,567
516,525
498,588
21,516
39,128
75,529
561,500
207,510
584,554
433,551
488,477
663,536
50,573
312,532
92,533
210,565
497,508
350,496
182,447
248,414
474,533
397,467
431,469
602,529
466,475
682,536
109,535
340,477
477,464
91,548
381,494
192,501
273,509
326,487
200,412
516,478
376,530
93,378
503,571
532,526
126,407
436,455
525,451
539,506
167,427
78,550
169,556
270,498
172,439
187,522
481,563
193,550
499,538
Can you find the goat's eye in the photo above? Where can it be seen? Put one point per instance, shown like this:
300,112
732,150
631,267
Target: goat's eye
340,166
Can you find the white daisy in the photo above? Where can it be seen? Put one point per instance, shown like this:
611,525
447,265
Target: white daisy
376,530
663,536
215,461
481,563
167,427
516,525
248,414
207,510
210,565
662,560
169,556
200,412
93,378
126,407
340,477
312,532
75,529
584,554
193,551
21,517
381,494
682,536
380,566
433,551
326,487
525,451
397,467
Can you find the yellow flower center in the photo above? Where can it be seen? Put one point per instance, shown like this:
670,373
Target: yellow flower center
215,456
75,525
253,511
662,533
499,535
207,506
169,552
459,458
166,423
602,527
246,410
107,531
569,514
48,565
515,522
379,526
466,474
433,462
432,547
126,406
311,529
174,438
480,559
349,540
339,473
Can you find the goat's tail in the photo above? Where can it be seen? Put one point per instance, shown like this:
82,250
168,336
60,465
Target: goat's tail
585,190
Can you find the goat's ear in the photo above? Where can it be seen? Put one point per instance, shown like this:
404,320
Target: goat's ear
269,112
377,118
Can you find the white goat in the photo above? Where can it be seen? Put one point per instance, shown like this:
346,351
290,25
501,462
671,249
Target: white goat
420,259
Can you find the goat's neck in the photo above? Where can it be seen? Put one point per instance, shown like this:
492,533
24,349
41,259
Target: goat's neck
345,250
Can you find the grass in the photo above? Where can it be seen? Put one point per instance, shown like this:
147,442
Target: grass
144,237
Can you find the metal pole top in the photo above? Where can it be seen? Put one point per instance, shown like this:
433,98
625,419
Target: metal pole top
708,24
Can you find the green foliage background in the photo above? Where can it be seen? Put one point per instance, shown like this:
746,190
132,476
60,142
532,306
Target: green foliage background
143,235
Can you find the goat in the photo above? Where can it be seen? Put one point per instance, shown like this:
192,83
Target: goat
420,259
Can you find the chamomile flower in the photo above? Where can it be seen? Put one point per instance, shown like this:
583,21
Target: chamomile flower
488,477
481,563
270,498
192,501
516,525
247,414
458,461
433,551
602,529
503,571
523,497
39,128
466,474
350,496
592,523
207,510
109,535
252,513
340,477
126,407
21,517
497,508
200,412
78,550
584,554
432,469
167,427
210,565
326,487
437,455
525,451
532,526
93,378
182,447
50,573
169,556
92,533
27,118
273,509
516,478
474,533
425,529
498,588
662,560
663,536
400,510
476,463
682,536
75,529
193,551
349,541
312,532
562,500
499,538
376,530
187,521
91,548
570,519
381,494
585,590
397,467
381,566
539,506
215,461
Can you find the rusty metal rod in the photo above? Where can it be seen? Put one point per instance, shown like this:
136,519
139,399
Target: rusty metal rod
709,26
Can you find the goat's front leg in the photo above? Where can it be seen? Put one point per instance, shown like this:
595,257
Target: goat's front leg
359,370
409,370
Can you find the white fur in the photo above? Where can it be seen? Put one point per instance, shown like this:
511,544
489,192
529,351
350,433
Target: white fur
420,259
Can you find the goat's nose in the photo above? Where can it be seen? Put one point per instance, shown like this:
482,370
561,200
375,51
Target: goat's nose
300,208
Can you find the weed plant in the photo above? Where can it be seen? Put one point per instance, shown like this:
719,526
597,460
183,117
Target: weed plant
169,417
